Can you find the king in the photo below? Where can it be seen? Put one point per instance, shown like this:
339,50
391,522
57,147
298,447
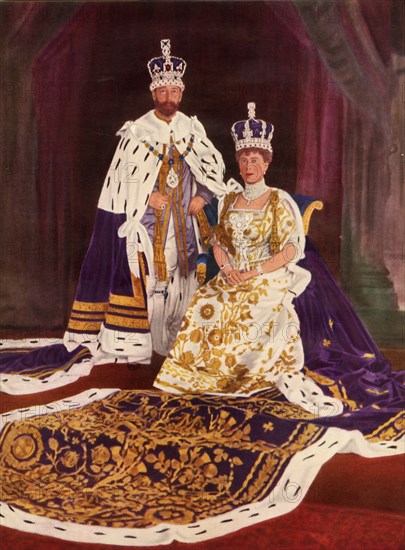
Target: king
139,273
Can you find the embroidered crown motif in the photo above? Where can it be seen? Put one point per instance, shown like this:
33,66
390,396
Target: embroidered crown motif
252,132
166,70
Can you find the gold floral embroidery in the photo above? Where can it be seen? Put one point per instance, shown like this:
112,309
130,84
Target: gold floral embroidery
268,427
137,459
227,328
22,446
207,311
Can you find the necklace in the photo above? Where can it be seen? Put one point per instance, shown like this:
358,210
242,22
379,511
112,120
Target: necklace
172,177
252,192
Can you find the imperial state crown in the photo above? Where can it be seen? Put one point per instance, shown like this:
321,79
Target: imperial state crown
166,70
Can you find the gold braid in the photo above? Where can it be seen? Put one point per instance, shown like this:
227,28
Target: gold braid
274,237
222,237
158,249
183,254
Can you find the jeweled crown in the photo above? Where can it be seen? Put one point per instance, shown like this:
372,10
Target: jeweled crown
252,132
166,70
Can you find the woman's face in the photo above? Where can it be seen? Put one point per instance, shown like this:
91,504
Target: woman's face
252,167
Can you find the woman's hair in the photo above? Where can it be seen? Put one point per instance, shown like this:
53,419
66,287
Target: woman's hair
266,155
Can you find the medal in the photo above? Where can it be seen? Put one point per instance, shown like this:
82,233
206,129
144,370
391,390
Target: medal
172,178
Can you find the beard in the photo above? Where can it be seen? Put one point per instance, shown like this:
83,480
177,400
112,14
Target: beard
166,108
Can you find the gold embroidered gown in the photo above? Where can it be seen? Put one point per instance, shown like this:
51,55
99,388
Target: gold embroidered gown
246,338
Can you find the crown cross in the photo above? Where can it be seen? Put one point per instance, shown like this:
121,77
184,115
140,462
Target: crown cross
252,110
165,45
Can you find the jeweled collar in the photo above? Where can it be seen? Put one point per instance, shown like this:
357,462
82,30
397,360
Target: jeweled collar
254,191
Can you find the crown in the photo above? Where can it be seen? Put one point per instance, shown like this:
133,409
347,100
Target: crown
252,132
166,70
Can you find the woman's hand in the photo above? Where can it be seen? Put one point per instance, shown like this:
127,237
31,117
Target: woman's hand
158,201
289,252
234,276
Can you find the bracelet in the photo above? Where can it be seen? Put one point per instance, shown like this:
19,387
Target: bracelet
223,266
259,268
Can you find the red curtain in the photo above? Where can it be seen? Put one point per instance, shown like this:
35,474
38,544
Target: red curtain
75,73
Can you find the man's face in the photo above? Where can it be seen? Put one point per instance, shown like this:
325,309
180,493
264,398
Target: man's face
167,99
252,167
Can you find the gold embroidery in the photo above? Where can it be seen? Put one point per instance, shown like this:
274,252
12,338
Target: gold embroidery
369,355
179,220
274,237
142,266
338,393
104,467
205,228
139,300
89,316
22,446
376,392
392,430
116,299
130,312
116,320
183,258
84,325
221,235
158,248
90,306
201,272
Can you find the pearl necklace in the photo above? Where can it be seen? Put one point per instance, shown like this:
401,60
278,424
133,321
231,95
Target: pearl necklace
252,192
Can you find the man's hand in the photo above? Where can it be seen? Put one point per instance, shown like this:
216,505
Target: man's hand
158,201
197,203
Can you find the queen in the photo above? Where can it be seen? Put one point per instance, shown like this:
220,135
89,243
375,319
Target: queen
241,334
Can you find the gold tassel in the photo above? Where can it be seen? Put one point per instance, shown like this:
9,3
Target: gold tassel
205,228
201,273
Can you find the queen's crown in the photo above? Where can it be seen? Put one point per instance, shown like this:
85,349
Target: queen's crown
252,132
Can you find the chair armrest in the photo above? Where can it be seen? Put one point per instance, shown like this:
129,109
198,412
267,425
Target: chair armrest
306,217
307,205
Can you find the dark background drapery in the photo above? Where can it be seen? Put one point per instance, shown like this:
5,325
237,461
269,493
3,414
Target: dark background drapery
319,71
